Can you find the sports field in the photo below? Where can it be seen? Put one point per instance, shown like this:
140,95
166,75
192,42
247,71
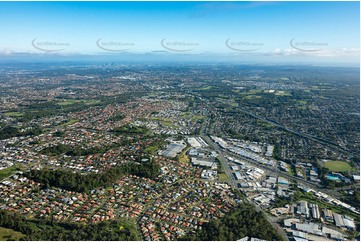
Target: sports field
337,165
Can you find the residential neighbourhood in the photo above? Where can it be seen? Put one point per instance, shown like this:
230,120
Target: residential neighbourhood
212,153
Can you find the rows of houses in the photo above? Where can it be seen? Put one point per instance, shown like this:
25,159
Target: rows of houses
171,210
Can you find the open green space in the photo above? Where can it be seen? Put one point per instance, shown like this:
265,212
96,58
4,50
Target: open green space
265,124
186,114
192,116
70,122
67,102
338,166
302,102
164,121
13,114
282,93
153,149
10,235
313,107
223,177
252,97
7,172
205,88
130,129
253,91
198,117
183,157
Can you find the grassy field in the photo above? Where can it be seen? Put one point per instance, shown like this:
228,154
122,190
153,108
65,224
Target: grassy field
13,114
206,88
264,124
9,234
222,177
192,116
7,172
70,122
74,101
183,157
302,102
151,149
154,148
337,165
252,92
165,122
198,117
314,107
252,97
282,93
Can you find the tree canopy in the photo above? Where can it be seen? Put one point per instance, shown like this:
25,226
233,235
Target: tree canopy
241,222
46,230
85,183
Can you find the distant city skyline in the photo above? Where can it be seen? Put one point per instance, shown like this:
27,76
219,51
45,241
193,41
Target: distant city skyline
247,32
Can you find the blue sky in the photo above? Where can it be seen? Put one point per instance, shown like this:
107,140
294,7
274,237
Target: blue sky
255,30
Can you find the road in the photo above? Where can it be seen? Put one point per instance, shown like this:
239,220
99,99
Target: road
304,135
222,153
230,175
234,184
274,170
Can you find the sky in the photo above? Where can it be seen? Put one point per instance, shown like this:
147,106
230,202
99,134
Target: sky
290,32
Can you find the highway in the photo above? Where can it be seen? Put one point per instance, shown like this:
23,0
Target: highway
273,170
304,135
223,152
230,175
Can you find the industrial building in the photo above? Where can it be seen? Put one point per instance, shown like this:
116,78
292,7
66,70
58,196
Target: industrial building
196,142
310,228
173,149
238,175
315,212
302,208
204,163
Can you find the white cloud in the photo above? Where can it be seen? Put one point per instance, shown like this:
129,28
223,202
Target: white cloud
6,52
343,52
